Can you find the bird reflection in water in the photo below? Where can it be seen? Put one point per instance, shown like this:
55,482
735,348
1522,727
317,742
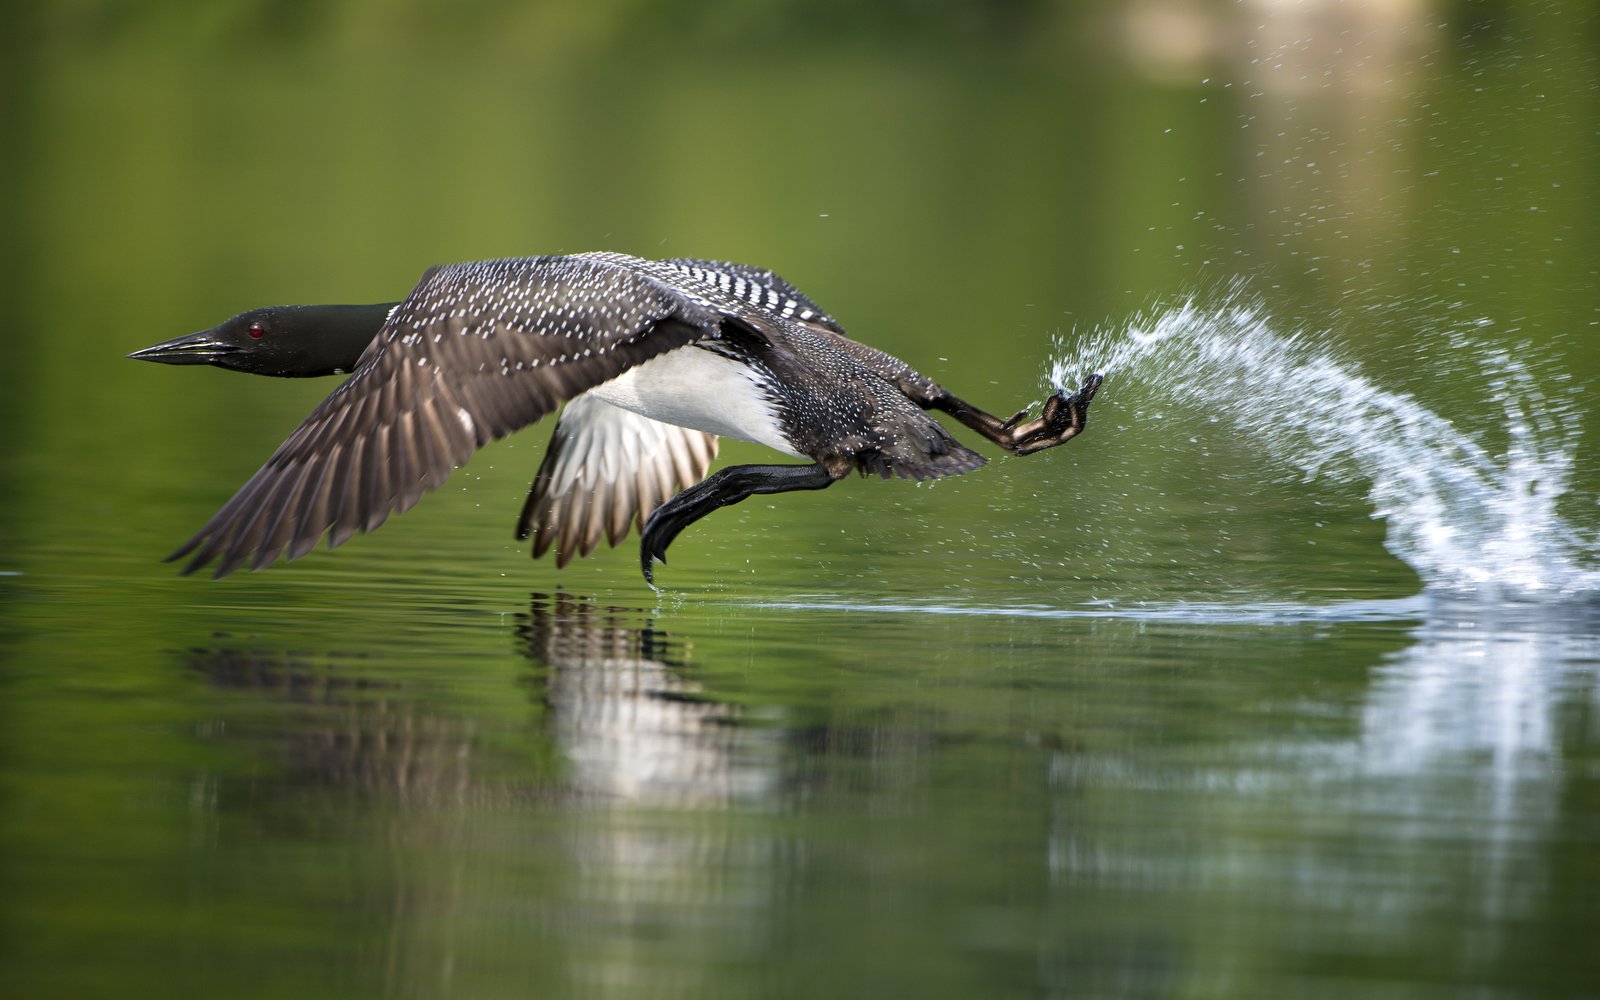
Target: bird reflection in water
633,727
515,825
622,722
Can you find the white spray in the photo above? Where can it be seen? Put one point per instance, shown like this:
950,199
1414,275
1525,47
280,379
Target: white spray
1467,520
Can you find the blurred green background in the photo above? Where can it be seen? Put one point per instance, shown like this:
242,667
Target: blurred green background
393,771
958,182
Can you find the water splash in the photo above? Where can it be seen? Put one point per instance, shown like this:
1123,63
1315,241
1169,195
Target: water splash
1467,519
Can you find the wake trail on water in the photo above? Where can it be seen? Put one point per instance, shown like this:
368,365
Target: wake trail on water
1467,518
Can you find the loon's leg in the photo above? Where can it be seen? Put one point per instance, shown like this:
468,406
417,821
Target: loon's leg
1062,419
723,489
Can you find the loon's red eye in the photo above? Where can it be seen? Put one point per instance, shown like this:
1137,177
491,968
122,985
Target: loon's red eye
256,330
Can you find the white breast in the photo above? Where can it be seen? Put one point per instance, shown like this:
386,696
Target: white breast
695,388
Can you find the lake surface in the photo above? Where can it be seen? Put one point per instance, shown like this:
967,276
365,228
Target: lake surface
1280,681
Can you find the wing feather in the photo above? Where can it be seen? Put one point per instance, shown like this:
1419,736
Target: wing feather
606,469
279,528
475,352
313,509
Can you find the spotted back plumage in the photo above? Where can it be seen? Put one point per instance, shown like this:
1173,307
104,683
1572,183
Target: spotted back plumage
769,292
839,399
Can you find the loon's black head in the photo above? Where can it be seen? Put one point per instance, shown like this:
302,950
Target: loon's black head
288,341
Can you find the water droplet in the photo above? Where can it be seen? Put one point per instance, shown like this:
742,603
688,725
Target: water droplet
1467,518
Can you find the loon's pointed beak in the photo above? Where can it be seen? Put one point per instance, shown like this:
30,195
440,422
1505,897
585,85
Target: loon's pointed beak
203,348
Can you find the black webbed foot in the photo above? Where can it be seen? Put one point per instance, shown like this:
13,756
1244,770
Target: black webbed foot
1062,419
721,489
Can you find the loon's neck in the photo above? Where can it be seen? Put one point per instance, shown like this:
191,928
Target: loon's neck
340,332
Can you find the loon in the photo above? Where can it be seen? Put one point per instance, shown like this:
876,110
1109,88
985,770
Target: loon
654,360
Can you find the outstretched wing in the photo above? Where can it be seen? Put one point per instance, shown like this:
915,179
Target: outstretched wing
475,352
605,469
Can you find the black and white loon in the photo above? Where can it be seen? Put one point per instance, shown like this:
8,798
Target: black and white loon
653,360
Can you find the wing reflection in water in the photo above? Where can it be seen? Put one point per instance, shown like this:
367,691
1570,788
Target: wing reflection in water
631,725
642,741
344,724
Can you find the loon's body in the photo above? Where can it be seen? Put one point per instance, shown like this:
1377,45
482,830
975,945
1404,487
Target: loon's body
654,360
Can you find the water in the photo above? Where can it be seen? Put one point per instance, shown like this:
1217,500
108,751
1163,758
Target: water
1467,516
1162,713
